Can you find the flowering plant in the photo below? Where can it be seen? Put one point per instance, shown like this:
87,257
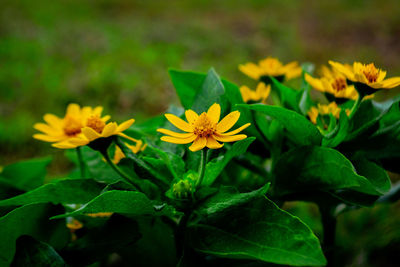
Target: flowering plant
191,192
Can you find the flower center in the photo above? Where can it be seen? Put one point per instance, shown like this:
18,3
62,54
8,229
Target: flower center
72,126
95,123
203,126
339,84
371,72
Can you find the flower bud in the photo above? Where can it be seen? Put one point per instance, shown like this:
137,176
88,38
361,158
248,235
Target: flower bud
182,189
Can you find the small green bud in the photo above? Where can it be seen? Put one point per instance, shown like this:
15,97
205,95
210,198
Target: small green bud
182,189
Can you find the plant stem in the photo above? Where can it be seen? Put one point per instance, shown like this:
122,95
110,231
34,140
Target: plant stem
181,235
202,167
81,163
355,106
329,227
118,170
263,138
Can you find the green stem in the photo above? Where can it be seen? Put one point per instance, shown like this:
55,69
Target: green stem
118,170
355,106
81,163
329,228
202,167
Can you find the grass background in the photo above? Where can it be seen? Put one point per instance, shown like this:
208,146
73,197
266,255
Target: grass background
116,54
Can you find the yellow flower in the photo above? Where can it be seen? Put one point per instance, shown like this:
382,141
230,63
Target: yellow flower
332,82
118,155
271,67
366,74
74,224
259,95
204,130
96,128
332,108
63,129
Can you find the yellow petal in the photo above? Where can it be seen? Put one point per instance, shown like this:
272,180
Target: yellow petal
237,130
106,118
251,70
73,109
179,123
109,129
52,120
98,110
125,125
64,145
191,116
174,134
48,138
245,92
381,76
198,144
214,112
343,70
226,123
178,140
315,83
47,129
229,138
90,134
388,83
128,137
213,144
78,141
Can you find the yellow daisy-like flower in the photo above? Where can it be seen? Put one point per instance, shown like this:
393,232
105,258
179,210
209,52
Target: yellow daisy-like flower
96,128
332,108
62,129
271,67
204,130
259,95
332,82
118,155
366,74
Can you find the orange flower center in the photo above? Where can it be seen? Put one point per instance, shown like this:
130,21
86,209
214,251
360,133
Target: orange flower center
203,126
339,84
371,72
95,123
72,126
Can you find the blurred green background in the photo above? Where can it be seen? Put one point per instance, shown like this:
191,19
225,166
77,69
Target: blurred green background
116,54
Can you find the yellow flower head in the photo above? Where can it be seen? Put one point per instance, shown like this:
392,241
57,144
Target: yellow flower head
204,130
271,67
118,155
332,108
332,82
96,128
62,129
366,74
259,95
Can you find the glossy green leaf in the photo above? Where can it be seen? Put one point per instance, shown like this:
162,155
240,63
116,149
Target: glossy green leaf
68,191
131,203
339,133
259,230
290,98
28,220
27,174
300,130
216,166
31,252
314,168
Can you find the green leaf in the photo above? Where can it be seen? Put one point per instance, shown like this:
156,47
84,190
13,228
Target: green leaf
289,97
68,191
216,166
300,130
187,84
259,230
311,168
339,133
31,252
211,91
26,175
175,163
30,220
131,203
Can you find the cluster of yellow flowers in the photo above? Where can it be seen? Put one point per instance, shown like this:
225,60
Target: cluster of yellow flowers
338,81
